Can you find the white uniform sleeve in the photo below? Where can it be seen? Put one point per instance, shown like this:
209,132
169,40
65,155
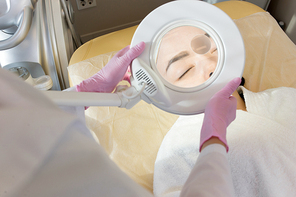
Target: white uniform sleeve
78,166
47,152
211,175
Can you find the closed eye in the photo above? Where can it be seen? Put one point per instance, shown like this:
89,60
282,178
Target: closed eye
214,50
185,72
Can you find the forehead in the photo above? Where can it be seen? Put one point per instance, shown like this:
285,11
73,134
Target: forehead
177,39
181,34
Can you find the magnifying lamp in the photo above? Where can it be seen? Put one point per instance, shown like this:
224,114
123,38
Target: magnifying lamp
193,49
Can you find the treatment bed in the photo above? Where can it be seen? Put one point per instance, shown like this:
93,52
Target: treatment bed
132,137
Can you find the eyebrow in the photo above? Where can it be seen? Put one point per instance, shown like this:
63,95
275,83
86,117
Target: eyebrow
177,57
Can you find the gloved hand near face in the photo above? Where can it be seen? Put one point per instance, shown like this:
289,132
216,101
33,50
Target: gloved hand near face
116,70
219,113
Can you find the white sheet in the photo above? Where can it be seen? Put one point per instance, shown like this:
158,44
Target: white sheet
262,145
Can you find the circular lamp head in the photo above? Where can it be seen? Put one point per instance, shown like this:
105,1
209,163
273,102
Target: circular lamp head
193,49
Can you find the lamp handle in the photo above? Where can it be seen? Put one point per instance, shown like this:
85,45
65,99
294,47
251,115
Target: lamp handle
124,99
69,98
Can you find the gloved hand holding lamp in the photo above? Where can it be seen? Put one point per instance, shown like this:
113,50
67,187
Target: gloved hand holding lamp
219,113
116,70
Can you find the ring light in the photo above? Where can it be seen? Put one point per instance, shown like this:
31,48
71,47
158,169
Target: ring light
193,49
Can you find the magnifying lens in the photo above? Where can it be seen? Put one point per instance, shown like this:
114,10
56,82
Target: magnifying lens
193,49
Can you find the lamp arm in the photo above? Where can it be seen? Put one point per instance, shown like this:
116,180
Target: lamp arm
124,99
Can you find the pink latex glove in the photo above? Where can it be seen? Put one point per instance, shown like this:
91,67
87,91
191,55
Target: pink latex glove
116,70
219,113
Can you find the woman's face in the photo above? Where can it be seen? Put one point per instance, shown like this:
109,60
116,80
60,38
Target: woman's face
179,64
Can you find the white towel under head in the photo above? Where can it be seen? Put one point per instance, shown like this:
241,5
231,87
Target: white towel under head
262,143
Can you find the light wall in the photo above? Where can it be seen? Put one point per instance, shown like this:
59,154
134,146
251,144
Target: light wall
111,15
285,10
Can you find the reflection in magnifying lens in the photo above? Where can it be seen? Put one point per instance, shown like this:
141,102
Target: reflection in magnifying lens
186,56
201,44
